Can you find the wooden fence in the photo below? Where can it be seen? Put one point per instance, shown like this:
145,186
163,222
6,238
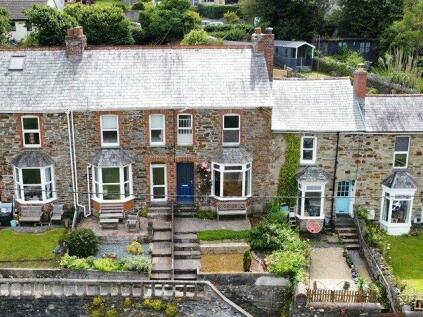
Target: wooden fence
340,296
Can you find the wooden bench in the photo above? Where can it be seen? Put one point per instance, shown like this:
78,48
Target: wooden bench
231,209
30,214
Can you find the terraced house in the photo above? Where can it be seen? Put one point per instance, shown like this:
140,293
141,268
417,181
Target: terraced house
95,126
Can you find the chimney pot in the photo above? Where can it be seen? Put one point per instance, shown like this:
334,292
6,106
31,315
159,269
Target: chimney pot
76,42
257,30
269,30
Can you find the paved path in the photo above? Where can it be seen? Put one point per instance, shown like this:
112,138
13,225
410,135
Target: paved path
196,225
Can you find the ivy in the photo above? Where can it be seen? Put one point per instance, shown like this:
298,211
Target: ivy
287,185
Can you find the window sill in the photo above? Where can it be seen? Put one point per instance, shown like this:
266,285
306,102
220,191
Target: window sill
306,163
35,202
157,145
102,201
26,146
306,218
230,198
231,144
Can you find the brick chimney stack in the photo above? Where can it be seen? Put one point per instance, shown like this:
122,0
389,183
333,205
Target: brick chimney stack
265,43
360,83
76,42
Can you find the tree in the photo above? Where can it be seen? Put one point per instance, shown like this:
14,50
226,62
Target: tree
51,24
195,37
169,21
367,18
102,25
4,26
408,32
291,19
231,17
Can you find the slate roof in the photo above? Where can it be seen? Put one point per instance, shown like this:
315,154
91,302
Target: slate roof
394,113
233,155
15,8
312,173
292,44
32,158
400,180
112,157
315,106
135,78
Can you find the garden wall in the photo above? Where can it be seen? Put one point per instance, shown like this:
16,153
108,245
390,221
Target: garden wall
260,294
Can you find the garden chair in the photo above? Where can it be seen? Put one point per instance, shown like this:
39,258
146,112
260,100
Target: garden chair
133,223
57,213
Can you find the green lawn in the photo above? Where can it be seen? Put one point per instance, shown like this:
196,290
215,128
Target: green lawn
406,259
223,234
18,247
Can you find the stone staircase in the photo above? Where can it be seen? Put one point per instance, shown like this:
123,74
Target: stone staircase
185,211
161,246
186,256
347,231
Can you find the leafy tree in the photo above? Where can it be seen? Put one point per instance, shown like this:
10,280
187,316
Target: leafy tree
408,32
367,18
195,37
4,26
102,25
168,21
231,17
291,19
51,24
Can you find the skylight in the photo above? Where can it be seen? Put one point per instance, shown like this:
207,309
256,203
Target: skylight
16,62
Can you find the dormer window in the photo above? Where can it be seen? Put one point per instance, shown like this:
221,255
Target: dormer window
16,63
109,131
231,130
31,131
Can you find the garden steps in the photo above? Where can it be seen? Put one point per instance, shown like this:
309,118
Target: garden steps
162,236
185,212
185,238
347,232
160,213
186,276
161,249
160,276
187,254
187,247
186,265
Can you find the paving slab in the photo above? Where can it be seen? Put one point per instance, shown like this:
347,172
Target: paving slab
196,225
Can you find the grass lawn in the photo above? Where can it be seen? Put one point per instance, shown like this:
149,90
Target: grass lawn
223,234
16,247
406,259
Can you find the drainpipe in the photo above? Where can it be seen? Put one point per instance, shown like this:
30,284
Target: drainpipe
71,161
89,189
335,169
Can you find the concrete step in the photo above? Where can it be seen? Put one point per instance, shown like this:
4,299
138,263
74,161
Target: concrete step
187,246
185,276
159,236
352,234
187,255
161,249
185,238
161,268
162,226
185,214
351,241
186,265
346,229
160,276
352,246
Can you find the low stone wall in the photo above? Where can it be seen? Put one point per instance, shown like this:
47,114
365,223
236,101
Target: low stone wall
68,274
260,294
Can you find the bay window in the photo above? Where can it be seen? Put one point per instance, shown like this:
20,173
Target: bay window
311,200
112,183
231,181
34,184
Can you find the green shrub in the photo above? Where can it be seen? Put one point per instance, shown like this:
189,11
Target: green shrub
223,234
106,265
136,264
363,213
375,236
333,67
246,261
74,263
195,37
216,11
127,302
143,212
349,57
156,304
112,312
234,34
97,302
288,263
231,17
205,213
172,310
135,248
81,243
138,6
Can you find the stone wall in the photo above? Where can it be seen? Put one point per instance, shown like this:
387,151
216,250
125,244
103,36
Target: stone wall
258,293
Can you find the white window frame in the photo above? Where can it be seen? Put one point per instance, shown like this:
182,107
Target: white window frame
162,129
97,179
303,189
407,153
152,186
20,186
187,130
24,131
221,169
104,144
396,195
231,129
313,149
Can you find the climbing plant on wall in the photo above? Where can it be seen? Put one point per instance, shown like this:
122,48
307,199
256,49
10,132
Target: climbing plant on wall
287,186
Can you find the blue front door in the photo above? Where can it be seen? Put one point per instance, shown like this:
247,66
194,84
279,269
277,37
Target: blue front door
185,183
344,197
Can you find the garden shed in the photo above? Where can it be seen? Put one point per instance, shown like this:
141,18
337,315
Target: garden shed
297,55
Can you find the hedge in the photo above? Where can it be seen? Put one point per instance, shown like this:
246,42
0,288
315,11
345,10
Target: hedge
216,11
333,67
